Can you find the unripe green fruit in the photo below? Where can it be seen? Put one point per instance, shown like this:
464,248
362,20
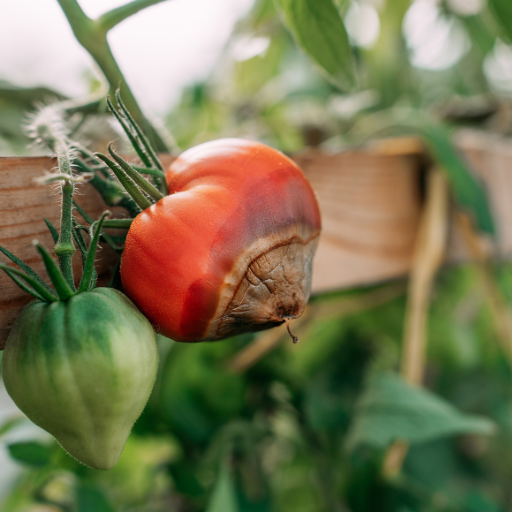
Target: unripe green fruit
83,370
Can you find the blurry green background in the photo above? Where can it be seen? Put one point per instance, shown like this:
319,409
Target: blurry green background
306,428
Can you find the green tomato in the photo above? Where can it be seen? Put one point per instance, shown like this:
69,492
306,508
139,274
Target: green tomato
83,370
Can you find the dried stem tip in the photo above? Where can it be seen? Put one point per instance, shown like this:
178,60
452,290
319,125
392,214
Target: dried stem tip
294,338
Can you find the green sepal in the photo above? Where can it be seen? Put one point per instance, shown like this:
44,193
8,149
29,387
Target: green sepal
145,152
80,241
83,213
115,278
118,223
61,286
136,146
139,180
26,268
115,242
91,255
149,150
110,190
149,170
36,291
82,246
126,182
53,231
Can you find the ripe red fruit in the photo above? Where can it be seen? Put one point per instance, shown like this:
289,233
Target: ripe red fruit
230,249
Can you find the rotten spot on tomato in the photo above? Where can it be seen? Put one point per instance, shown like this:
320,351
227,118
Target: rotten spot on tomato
230,250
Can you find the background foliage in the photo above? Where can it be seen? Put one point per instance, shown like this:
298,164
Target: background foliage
307,427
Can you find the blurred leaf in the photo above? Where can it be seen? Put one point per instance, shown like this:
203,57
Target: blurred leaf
31,453
197,393
27,95
252,74
502,10
391,409
224,497
468,191
318,29
480,33
185,480
91,499
10,424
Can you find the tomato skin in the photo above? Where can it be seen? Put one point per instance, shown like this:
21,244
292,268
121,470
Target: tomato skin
83,370
229,198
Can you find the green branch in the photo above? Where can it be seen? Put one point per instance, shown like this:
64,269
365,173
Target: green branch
112,18
92,35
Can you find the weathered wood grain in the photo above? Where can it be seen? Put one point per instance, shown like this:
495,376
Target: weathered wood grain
370,201
23,205
370,208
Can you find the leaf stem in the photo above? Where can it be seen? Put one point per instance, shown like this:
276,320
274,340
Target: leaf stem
112,18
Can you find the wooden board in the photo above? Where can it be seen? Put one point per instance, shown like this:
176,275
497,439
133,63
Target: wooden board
370,201
370,207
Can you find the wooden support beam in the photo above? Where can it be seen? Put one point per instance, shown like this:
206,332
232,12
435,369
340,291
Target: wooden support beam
370,200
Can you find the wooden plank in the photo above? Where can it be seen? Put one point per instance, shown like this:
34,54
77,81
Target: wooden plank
370,207
23,204
370,201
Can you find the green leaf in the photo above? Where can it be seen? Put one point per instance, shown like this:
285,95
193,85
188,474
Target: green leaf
31,453
318,29
91,499
468,191
502,9
223,498
391,409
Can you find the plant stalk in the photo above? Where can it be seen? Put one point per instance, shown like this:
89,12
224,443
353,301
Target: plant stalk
428,256
92,35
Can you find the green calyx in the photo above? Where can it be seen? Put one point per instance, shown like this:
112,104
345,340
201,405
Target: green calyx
29,281
141,190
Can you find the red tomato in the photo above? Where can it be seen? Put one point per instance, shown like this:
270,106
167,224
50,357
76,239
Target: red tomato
230,249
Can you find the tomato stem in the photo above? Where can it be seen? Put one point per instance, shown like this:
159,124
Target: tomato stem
92,35
288,328
112,18
48,128
64,248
